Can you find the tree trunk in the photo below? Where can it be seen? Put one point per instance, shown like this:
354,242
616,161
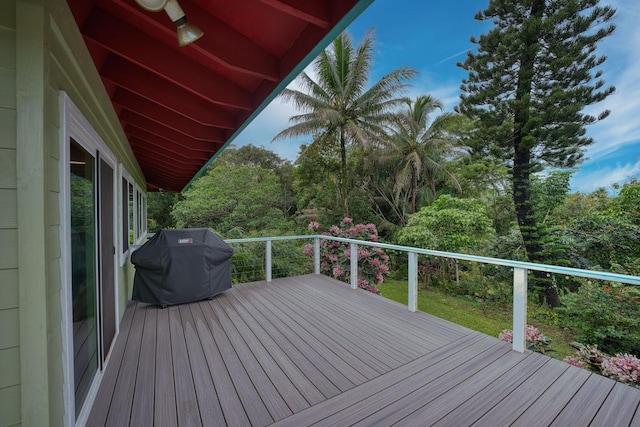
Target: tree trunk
414,189
522,146
344,191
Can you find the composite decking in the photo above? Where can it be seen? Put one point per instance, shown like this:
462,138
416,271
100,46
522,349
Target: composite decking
310,351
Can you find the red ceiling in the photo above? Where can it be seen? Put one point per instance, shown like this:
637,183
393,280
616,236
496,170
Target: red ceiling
179,106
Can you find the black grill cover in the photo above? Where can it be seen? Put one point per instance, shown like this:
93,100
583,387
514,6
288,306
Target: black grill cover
178,266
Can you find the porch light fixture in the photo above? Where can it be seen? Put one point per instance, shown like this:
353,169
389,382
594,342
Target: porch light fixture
187,32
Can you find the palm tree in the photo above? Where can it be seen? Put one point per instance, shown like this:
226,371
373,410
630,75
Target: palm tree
338,109
420,146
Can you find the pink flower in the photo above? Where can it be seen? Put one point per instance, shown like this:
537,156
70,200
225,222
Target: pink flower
533,334
373,238
622,367
376,262
347,220
314,225
334,230
363,253
592,354
337,271
575,361
308,249
506,335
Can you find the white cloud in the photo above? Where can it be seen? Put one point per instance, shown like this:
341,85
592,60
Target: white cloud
622,69
589,181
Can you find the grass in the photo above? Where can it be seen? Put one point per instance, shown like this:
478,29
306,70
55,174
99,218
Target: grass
488,318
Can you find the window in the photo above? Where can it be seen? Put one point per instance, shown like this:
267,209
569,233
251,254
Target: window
125,215
134,214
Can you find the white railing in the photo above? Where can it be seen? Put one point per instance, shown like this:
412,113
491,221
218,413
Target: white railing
520,271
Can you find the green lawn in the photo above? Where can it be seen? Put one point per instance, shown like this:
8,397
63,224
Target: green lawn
483,317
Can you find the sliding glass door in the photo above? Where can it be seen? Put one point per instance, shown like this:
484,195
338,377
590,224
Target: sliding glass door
82,181
93,293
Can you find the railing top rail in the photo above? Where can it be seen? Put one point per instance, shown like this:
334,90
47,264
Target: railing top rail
590,274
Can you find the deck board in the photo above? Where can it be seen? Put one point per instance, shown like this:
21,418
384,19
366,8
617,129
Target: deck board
374,354
342,374
186,401
355,331
252,402
285,351
310,351
248,342
145,380
164,411
610,412
273,400
122,398
228,397
554,399
100,410
206,394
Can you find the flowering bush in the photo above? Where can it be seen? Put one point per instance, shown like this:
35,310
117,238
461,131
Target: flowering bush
535,340
335,257
624,368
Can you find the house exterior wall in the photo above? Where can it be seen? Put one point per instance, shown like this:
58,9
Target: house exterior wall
41,54
9,301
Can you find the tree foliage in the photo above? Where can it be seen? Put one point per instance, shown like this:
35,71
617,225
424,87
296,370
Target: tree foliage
159,207
449,224
527,87
607,316
229,197
419,146
340,109
250,155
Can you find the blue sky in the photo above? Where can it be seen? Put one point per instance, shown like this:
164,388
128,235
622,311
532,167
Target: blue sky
431,37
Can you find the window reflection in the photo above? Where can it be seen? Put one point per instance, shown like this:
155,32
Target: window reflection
83,267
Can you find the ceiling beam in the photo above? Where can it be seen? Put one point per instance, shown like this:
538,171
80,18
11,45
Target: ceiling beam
313,12
162,168
236,52
138,48
160,182
165,117
184,156
150,86
137,126
150,151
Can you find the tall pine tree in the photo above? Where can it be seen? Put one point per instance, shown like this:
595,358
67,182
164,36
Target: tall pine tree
528,84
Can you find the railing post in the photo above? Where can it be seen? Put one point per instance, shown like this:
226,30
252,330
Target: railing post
354,265
519,309
268,260
413,281
316,256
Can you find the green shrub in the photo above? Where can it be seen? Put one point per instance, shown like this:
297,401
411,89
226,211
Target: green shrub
607,316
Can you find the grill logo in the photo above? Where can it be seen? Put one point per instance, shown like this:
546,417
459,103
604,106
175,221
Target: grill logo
183,241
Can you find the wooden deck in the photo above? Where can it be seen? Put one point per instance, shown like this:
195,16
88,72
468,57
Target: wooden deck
310,351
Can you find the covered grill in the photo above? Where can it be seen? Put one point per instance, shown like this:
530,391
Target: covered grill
178,266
